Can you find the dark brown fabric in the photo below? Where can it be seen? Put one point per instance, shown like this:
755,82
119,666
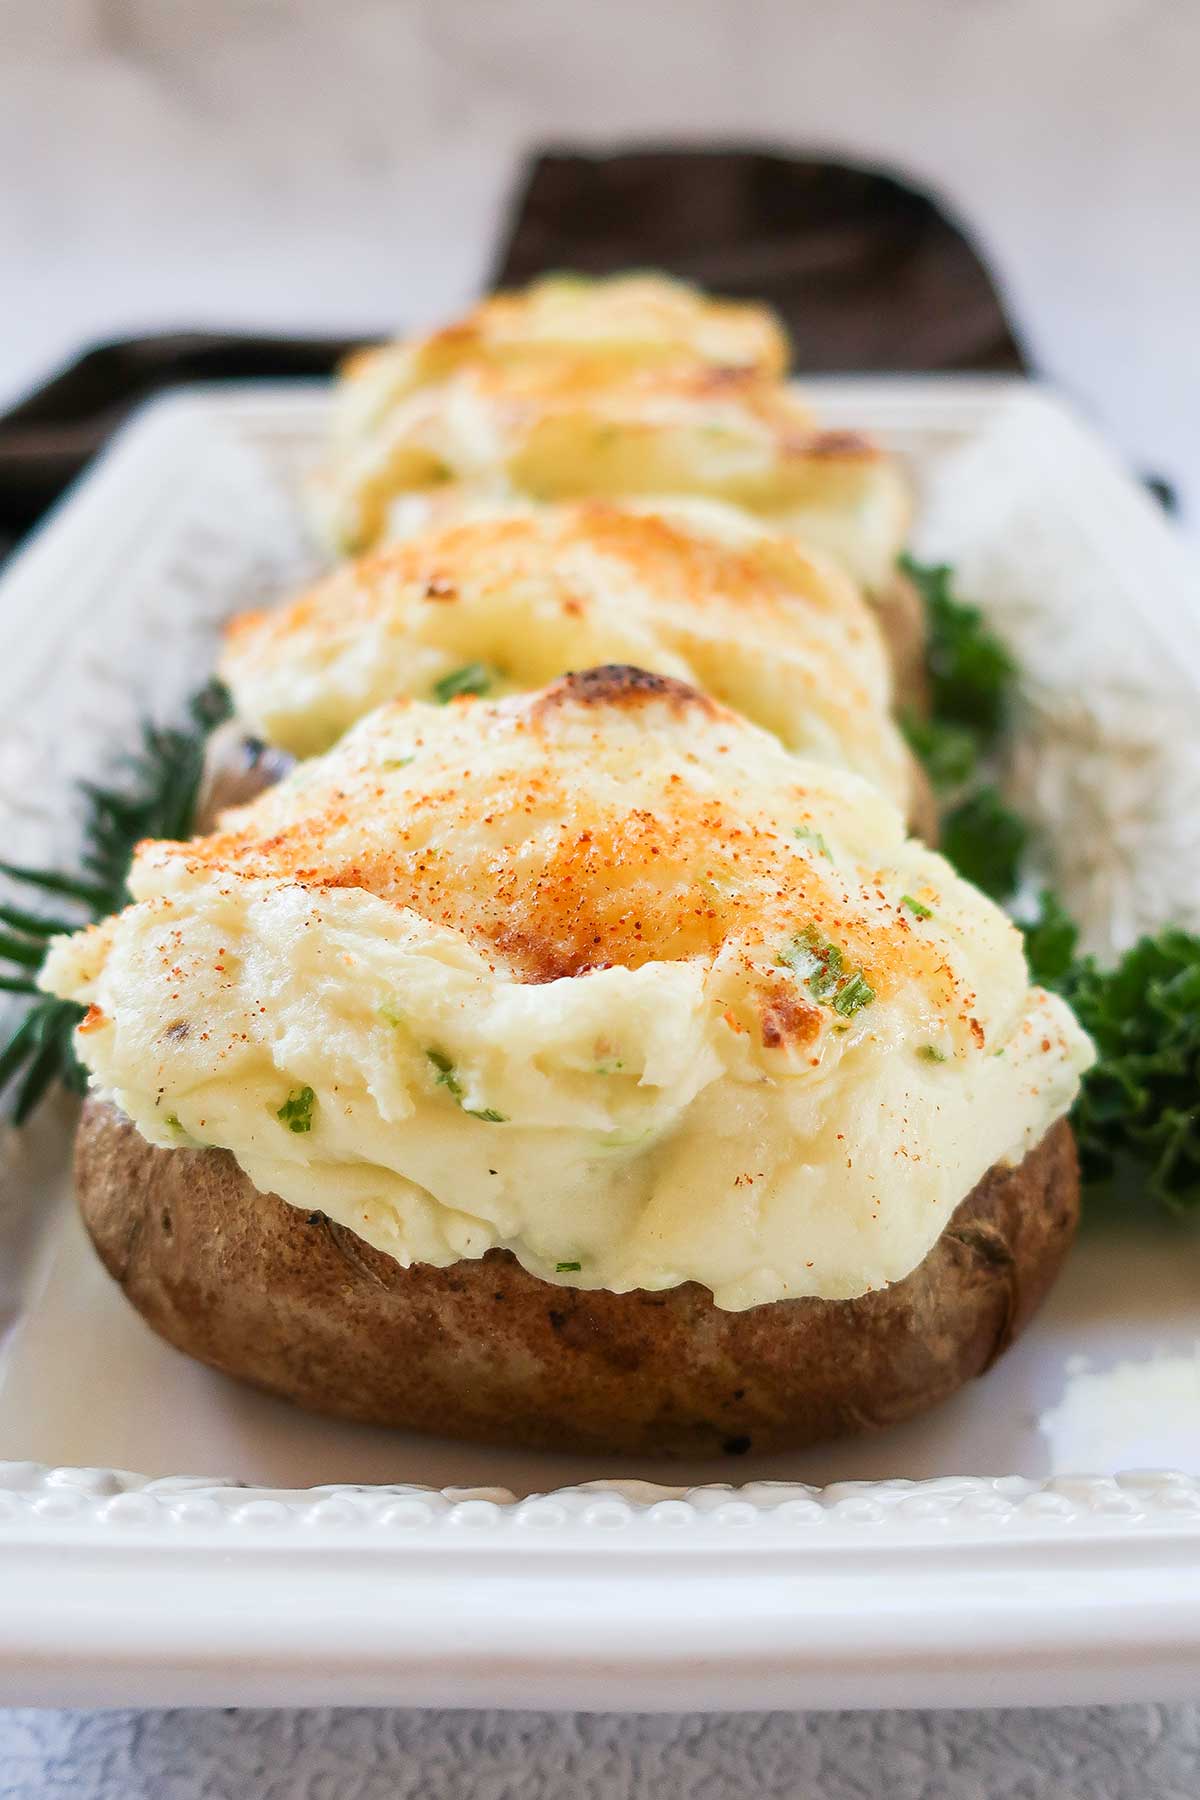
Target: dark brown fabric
868,272
50,437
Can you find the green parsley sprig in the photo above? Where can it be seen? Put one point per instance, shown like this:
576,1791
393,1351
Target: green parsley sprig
1137,1118
156,798
973,682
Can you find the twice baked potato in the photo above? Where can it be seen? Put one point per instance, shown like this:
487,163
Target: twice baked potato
481,1349
625,387
594,996
505,602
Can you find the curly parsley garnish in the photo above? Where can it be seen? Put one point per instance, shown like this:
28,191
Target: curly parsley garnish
297,1110
973,684
972,674
472,678
986,841
1137,1118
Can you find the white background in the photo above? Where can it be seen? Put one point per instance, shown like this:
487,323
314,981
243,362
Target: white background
340,164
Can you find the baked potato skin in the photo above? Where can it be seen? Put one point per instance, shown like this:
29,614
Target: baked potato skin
483,1350
900,614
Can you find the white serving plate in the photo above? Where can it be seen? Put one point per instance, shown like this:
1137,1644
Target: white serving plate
959,1560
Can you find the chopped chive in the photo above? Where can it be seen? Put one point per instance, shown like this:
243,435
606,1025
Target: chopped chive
812,837
567,1268
915,907
472,678
447,1078
297,1110
852,996
822,967
445,1073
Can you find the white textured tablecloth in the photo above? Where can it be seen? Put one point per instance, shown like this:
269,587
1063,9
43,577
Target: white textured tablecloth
1128,1753
317,166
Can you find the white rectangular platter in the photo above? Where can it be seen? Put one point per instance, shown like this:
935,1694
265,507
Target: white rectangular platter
1036,1540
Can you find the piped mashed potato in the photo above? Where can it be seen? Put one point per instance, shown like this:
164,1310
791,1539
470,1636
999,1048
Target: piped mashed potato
633,385
602,976
503,604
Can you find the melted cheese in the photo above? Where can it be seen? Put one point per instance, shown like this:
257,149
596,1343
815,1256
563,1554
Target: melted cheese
601,975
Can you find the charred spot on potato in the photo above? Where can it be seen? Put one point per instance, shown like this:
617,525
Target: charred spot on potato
621,684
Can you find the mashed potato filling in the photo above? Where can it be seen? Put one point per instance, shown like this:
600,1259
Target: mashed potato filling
601,976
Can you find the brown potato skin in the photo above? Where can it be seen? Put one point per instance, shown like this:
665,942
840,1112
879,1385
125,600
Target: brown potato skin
483,1350
900,614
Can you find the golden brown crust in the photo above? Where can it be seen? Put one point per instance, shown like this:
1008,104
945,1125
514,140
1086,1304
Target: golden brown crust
483,1350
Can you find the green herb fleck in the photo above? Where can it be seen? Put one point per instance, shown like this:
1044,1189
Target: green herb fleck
915,907
806,833
822,967
172,1122
445,1074
931,1053
608,1068
853,996
567,1268
395,762
297,1110
447,1078
472,678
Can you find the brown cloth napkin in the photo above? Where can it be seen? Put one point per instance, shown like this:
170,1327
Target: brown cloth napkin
868,273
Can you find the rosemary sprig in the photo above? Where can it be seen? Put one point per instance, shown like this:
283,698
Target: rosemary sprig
156,799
